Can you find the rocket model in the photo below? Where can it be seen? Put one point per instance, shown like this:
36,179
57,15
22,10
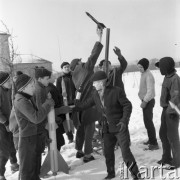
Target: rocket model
54,161
100,25
67,124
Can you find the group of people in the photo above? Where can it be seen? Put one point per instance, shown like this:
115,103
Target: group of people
95,96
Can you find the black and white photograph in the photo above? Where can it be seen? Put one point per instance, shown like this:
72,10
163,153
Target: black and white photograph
89,89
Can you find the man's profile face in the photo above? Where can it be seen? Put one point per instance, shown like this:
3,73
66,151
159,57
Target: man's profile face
98,85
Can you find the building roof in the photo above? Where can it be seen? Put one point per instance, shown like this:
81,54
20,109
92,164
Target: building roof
30,59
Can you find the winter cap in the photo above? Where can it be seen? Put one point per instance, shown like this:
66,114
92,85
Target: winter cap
166,65
64,64
99,75
41,72
4,77
18,73
73,64
102,61
22,81
144,63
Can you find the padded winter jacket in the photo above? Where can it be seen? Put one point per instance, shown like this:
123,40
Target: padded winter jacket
117,107
83,73
5,105
28,116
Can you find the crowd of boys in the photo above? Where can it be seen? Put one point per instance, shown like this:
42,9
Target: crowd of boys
23,113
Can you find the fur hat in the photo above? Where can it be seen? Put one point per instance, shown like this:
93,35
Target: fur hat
99,75
64,64
144,63
41,72
4,76
22,81
73,64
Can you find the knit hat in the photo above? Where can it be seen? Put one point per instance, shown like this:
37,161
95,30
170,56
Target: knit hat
73,64
166,65
99,75
144,63
22,81
18,73
4,77
41,72
64,64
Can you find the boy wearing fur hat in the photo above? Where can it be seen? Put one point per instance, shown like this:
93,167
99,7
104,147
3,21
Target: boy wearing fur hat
7,149
115,110
28,116
146,94
70,90
169,133
42,76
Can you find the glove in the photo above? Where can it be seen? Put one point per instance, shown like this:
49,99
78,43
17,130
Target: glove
50,102
173,116
48,141
59,120
122,126
143,104
65,109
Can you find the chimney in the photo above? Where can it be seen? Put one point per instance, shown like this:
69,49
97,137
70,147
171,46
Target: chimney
4,52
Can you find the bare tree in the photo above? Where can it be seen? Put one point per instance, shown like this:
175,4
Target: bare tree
8,61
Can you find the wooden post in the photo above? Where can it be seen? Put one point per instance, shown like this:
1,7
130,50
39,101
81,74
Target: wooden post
107,50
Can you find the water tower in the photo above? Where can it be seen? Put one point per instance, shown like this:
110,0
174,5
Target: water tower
4,52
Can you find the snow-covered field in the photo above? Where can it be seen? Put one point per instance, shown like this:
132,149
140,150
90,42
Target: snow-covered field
96,170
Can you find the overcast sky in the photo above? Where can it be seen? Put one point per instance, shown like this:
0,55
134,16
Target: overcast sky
59,30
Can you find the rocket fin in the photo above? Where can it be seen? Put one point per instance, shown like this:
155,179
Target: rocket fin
62,165
46,166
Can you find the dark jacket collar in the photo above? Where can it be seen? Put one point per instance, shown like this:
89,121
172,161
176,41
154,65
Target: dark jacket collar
171,74
25,95
5,89
40,84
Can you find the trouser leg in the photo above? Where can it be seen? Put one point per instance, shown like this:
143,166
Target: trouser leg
173,137
148,122
40,147
60,138
12,155
27,157
123,140
80,134
89,132
166,156
4,149
109,144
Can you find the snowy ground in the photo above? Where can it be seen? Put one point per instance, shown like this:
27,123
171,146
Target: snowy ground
96,170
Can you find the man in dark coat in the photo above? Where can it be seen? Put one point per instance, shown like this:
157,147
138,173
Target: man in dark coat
85,123
169,132
115,110
7,149
70,90
58,103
